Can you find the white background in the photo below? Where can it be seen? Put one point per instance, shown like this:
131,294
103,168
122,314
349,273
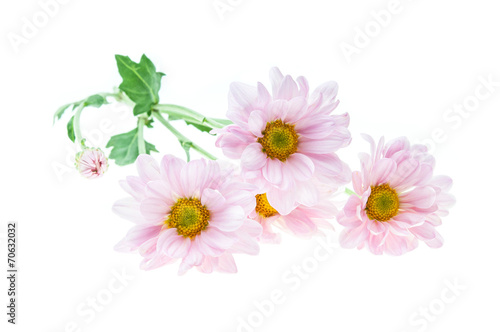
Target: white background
429,57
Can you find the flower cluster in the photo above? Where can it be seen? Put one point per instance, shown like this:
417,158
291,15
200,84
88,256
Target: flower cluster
285,141
398,200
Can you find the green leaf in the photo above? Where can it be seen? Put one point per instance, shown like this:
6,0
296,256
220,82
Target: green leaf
60,111
141,82
194,123
225,122
149,123
95,101
200,127
126,148
71,129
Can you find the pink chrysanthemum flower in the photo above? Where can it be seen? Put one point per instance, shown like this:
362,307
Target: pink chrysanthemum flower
195,211
283,139
303,221
399,201
91,163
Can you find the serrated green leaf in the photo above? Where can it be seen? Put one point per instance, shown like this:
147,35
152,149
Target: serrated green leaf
71,129
141,82
60,111
95,101
126,147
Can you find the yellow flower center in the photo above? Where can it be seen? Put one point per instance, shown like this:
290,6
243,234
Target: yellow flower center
263,207
279,141
188,216
383,203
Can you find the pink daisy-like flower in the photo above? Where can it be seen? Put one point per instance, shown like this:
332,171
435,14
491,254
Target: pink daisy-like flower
303,221
285,139
195,211
399,201
91,163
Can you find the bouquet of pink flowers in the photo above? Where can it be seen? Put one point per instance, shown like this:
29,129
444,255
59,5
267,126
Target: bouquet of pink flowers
284,141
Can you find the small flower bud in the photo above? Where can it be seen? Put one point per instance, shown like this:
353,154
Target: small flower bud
91,163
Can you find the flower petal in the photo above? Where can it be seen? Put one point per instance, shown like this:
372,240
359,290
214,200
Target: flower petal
253,158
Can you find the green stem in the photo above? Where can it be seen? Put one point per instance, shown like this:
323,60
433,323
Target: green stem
141,121
76,126
349,192
185,142
187,114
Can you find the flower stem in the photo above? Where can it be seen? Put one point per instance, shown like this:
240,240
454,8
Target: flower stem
76,127
187,114
349,192
140,135
185,142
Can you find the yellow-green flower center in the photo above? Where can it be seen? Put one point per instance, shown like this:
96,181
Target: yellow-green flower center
263,207
188,216
383,203
279,141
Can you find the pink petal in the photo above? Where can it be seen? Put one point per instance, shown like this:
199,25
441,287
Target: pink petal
315,127
303,226
300,166
376,227
424,232
154,209
437,242
194,177
272,171
213,200
420,197
159,189
288,89
173,244
246,245
170,169
352,237
303,86
226,263
215,238
253,158
283,201
229,219
257,123
295,110
382,171
263,94
129,208
276,79
357,182
307,193
328,90
147,167
137,236
443,182
134,186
